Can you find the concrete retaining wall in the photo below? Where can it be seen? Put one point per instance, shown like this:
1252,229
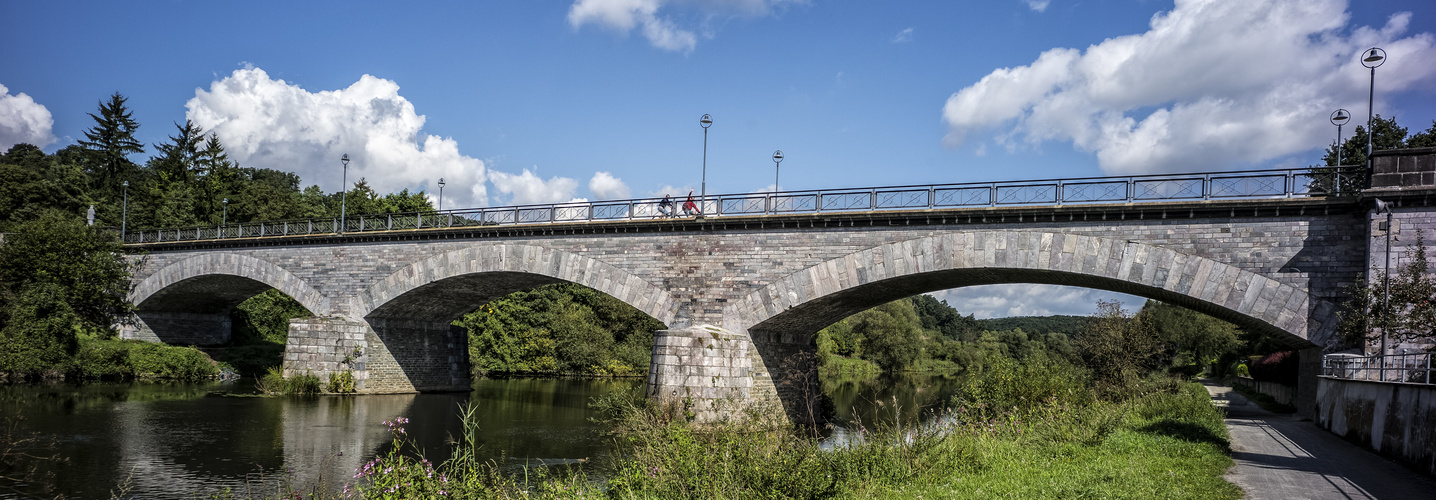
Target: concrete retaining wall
1283,394
1397,420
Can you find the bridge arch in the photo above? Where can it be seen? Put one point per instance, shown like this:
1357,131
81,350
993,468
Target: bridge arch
444,287
216,282
794,307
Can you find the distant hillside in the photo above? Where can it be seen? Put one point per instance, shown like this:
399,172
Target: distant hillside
1070,325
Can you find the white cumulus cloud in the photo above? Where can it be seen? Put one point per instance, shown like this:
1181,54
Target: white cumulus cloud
1024,299
528,188
661,30
269,123
1212,84
605,186
22,120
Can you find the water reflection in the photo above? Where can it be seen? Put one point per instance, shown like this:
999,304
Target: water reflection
883,399
185,439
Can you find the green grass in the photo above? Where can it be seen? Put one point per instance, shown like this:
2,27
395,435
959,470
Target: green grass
1166,445
1054,440
134,359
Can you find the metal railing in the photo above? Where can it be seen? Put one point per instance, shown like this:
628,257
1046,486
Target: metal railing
1412,368
1250,184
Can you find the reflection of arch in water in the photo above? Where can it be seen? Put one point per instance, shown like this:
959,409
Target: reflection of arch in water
188,302
782,316
330,438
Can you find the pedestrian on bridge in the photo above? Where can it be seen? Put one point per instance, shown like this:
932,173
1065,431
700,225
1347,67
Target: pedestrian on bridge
690,208
665,207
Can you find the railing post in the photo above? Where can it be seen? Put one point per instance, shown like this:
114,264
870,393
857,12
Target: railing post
390,224
1060,188
261,229
992,194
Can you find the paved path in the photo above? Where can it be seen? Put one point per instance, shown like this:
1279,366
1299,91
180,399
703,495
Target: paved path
1280,457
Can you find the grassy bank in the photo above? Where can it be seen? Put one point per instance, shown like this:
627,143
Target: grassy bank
115,360
1165,440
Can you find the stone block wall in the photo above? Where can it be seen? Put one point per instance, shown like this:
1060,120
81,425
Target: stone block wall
1403,169
715,373
178,328
1394,419
323,345
429,356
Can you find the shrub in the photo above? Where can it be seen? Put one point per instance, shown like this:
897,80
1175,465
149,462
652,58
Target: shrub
125,359
1279,367
302,385
341,382
1022,388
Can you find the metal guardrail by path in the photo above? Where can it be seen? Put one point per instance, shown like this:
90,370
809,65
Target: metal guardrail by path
1407,368
1250,184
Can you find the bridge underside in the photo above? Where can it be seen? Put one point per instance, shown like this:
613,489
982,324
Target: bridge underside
194,311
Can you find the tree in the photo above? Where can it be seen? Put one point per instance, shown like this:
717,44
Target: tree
892,334
110,143
1189,337
1388,135
940,317
85,263
1116,346
1423,139
179,159
39,334
1409,315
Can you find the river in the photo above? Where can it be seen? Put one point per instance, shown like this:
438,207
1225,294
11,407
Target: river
168,440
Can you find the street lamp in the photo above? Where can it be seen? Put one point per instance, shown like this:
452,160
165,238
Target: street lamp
343,198
441,194
777,160
1339,118
1382,206
224,215
706,121
124,209
1373,57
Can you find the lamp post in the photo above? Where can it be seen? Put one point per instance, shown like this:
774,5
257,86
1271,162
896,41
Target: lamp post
441,194
706,121
124,209
344,189
777,161
1382,206
1373,57
224,214
1338,118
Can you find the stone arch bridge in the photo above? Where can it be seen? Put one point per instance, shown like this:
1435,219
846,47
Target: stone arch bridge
740,294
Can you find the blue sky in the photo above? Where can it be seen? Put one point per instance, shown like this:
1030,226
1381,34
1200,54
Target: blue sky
553,100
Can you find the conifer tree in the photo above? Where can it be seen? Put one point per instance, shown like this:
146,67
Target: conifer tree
110,142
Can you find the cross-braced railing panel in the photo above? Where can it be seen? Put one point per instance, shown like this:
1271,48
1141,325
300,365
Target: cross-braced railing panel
1027,195
1255,184
1414,368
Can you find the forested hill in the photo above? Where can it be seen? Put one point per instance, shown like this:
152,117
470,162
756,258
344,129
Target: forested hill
1068,325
